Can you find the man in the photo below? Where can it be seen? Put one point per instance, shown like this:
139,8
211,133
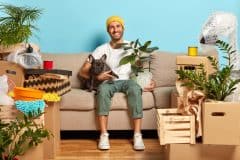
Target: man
113,50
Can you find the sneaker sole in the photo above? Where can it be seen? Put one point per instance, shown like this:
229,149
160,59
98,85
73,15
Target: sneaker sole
104,148
139,148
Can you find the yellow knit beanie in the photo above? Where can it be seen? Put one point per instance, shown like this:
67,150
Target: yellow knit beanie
114,19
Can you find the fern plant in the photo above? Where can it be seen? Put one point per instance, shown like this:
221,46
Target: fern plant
21,134
216,86
16,24
139,54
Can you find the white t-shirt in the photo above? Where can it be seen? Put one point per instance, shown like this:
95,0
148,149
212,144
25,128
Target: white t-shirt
113,58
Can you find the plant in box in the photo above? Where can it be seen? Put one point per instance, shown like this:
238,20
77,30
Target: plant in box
216,86
16,27
21,134
139,56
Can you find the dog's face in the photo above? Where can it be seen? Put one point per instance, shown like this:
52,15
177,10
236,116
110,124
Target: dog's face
98,65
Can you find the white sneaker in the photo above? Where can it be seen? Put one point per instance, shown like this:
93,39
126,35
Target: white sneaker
138,142
104,142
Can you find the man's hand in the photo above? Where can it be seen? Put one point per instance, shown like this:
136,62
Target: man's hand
150,87
105,76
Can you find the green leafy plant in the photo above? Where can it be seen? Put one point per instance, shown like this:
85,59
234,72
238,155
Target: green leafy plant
216,86
17,136
138,54
16,24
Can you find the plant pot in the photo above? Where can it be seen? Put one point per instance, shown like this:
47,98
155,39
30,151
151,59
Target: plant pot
143,78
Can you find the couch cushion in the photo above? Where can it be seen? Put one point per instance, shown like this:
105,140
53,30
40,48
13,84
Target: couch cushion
163,68
162,96
78,99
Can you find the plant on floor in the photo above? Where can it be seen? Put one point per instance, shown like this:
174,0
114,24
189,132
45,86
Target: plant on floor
216,86
17,136
138,54
16,24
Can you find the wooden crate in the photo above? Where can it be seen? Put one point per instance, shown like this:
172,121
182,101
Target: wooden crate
174,127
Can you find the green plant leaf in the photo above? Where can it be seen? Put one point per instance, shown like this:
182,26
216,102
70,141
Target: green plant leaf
17,24
127,59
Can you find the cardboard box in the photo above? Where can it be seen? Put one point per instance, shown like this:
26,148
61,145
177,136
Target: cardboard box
221,123
193,62
14,72
202,152
33,153
174,127
52,123
8,114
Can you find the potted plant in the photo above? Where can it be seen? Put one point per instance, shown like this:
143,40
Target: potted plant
220,118
140,58
21,134
16,24
216,86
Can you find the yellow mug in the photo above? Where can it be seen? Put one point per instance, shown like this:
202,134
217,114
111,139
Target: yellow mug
192,51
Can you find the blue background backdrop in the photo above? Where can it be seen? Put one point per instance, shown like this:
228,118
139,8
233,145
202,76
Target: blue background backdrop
79,25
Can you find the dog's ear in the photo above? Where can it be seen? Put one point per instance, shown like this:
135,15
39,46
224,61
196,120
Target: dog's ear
90,58
104,57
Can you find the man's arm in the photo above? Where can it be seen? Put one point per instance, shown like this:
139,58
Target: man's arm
84,71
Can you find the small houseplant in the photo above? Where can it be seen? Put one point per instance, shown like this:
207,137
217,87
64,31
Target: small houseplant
19,135
216,86
140,58
17,24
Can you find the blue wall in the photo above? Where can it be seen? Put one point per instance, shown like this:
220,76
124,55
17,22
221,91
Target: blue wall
77,25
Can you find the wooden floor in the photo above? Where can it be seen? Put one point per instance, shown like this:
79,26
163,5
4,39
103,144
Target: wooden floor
121,149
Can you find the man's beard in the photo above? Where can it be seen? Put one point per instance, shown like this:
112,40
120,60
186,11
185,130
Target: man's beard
118,38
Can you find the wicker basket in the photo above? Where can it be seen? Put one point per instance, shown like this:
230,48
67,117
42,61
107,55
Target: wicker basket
50,83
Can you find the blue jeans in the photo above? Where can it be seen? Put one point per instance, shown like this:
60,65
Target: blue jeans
133,91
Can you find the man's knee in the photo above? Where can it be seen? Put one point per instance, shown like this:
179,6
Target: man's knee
134,88
104,90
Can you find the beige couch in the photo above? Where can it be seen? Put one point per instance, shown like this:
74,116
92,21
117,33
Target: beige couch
78,107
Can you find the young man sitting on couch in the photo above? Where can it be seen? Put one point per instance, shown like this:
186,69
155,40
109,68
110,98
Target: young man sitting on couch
106,90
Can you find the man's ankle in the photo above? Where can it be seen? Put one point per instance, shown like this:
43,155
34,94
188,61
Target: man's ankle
137,133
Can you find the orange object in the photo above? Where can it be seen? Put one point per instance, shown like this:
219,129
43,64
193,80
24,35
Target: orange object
27,94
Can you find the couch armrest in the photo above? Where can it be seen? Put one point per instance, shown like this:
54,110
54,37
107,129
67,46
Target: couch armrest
162,96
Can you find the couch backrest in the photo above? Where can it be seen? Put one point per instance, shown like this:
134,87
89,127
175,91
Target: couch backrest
163,65
72,62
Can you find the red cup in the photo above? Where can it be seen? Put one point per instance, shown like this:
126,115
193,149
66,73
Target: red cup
48,65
